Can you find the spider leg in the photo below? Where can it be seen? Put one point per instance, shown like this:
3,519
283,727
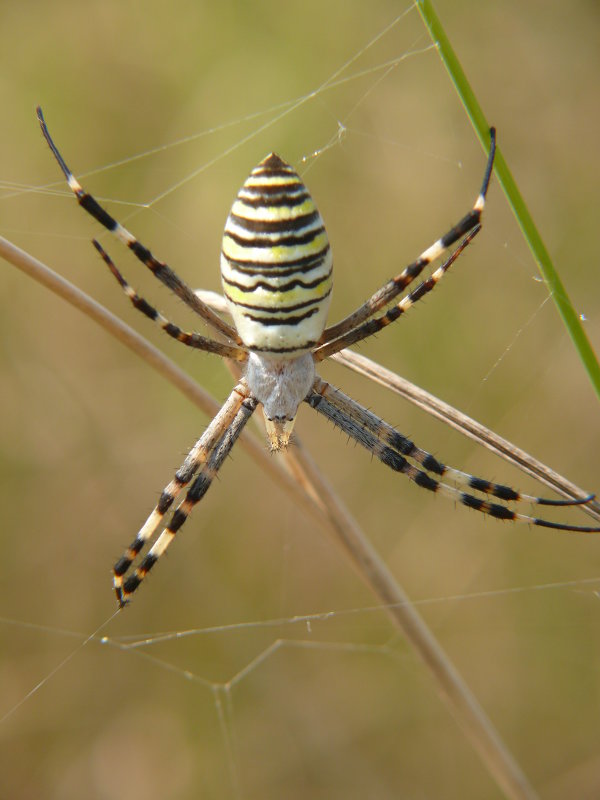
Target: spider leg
189,339
205,458
158,268
373,326
392,288
394,450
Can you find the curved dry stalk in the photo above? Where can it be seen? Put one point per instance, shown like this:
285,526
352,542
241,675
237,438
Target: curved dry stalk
312,492
461,702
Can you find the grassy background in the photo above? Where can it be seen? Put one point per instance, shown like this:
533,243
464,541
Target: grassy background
89,436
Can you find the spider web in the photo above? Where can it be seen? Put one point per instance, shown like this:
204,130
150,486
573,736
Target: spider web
259,665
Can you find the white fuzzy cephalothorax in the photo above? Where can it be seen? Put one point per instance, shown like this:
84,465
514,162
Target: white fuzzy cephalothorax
280,384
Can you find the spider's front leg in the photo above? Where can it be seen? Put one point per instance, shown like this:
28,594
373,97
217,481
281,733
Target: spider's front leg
205,459
402,455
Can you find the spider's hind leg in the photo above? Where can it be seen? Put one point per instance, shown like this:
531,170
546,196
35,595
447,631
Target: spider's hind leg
189,339
386,294
402,455
158,268
376,324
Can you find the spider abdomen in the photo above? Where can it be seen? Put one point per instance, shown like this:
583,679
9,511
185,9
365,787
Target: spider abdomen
276,263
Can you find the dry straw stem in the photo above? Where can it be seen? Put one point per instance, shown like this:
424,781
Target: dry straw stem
312,492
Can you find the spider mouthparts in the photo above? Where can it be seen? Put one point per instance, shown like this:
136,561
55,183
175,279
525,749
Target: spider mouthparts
278,433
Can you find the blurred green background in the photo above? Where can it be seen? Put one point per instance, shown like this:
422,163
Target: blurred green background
89,435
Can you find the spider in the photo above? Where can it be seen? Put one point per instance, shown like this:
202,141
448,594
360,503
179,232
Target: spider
276,270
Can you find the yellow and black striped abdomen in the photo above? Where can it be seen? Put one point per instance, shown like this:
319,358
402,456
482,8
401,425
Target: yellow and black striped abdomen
276,263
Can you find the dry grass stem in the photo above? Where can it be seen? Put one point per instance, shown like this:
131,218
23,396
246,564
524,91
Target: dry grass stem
312,492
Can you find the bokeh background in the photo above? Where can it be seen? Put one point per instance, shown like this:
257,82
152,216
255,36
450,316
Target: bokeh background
89,435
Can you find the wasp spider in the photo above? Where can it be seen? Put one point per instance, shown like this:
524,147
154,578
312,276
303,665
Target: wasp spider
276,270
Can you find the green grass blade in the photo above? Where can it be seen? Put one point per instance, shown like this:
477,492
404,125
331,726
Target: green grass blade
517,203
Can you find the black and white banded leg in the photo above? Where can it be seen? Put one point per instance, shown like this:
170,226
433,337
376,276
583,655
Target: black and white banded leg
201,465
373,326
159,269
397,452
395,286
174,331
276,272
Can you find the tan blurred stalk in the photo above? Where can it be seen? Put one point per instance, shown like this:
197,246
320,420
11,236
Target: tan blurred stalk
307,487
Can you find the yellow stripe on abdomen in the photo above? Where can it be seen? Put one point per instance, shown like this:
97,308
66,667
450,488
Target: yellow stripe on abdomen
276,263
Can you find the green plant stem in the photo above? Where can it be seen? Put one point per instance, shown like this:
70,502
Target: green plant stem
517,203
